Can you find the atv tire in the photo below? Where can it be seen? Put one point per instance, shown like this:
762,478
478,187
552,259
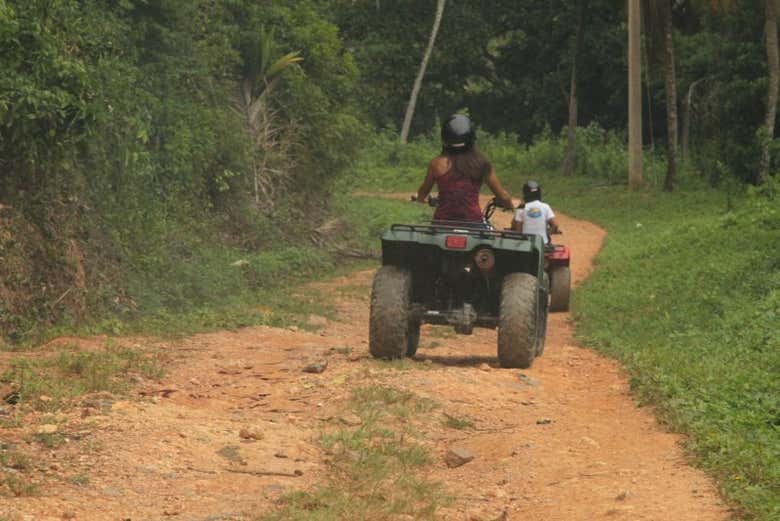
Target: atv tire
389,328
413,340
560,288
519,321
543,308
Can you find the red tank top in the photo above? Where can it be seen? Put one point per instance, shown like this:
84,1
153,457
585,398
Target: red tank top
458,198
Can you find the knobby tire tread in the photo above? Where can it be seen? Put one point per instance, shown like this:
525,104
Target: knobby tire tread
560,289
518,321
389,327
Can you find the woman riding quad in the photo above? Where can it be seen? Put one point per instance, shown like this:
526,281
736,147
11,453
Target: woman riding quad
459,172
534,216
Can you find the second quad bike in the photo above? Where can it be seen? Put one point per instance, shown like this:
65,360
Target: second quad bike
557,258
462,274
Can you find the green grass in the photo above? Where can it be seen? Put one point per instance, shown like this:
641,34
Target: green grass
377,468
14,467
456,422
49,382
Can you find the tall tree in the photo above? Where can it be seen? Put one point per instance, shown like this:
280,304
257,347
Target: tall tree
570,159
658,15
421,73
634,95
671,97
770,35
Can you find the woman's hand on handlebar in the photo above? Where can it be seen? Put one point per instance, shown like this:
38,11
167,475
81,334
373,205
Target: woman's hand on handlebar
499,203
430,200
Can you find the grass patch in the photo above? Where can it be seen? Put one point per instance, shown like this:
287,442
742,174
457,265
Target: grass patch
17,486
13,479
377,467
458,423
48,383
49,440
79,480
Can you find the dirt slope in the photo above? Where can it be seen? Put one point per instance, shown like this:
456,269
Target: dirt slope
561,441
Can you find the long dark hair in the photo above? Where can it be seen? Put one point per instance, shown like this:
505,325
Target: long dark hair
469,162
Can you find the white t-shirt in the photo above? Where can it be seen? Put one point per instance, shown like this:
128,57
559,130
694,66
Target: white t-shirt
534,217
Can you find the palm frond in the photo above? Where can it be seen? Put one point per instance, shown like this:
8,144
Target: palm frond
282,63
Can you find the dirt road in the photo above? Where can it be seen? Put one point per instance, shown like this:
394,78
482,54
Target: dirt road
236,423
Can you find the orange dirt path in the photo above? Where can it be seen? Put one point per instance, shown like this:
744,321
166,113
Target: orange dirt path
176,451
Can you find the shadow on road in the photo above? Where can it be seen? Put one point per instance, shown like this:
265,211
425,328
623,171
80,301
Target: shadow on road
459,361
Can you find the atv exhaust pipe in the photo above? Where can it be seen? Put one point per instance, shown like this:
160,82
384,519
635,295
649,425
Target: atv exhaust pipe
485,260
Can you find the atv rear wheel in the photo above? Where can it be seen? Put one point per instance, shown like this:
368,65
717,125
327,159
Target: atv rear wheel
414,339
544,307
519,321
389,324
560,288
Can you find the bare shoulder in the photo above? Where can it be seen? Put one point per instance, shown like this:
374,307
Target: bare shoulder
439,166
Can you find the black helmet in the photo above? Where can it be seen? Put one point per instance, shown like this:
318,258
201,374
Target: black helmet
532,191
457,133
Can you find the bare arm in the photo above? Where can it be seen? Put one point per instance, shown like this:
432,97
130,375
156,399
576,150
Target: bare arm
553,223
498,190
437,167
425,187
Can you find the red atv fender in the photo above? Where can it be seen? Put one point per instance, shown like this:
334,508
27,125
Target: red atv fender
556,259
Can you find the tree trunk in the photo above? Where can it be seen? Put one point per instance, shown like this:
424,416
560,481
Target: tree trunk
570,160
421,73
686,120
770,29
646,68
671,99
634,96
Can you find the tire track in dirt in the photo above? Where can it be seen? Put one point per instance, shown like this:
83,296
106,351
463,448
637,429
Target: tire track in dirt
236,423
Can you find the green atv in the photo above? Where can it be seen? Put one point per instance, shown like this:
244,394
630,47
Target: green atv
462,274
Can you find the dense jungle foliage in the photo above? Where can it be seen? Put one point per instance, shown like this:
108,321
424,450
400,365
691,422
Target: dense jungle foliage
133,172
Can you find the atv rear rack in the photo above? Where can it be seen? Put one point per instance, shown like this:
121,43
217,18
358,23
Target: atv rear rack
467,228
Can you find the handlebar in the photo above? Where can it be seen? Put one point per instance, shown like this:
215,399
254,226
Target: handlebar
432,201
490,208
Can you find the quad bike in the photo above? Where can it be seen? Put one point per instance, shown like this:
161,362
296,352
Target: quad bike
557,259
462,274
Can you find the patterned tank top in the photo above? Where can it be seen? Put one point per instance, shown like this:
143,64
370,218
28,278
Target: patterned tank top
458,198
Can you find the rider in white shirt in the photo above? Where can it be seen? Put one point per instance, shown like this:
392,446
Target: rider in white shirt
534,216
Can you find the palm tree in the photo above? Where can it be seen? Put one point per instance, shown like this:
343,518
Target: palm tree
770,35
570,159
421,73
262,72
658,14
634,96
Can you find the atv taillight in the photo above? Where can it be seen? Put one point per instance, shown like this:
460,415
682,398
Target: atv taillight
455,241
